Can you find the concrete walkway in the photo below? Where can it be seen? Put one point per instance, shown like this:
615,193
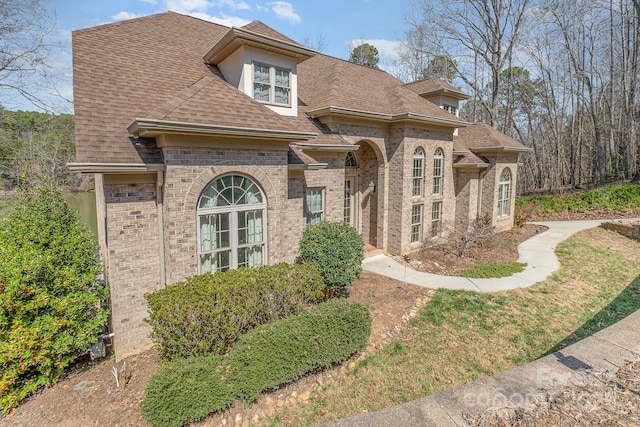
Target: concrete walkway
537,252
521,386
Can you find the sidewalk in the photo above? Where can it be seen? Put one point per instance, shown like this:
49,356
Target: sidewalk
521,386
537,252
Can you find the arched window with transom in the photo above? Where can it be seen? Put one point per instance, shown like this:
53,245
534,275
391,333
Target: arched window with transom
438,159
231,224
418,172
504,193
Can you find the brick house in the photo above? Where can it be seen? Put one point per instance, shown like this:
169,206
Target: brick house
214,147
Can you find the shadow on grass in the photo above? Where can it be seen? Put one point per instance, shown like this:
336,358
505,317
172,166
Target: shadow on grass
626,303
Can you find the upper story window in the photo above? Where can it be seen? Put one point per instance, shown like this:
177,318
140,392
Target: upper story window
350,160
271,84
438,157
451,109
418,172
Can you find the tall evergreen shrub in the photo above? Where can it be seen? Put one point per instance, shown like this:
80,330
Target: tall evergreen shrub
50,305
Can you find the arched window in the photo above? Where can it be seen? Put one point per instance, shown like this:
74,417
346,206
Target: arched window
504,193
418,172
438,158
350,161
231,224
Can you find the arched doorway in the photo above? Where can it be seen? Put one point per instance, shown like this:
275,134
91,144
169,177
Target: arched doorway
368,177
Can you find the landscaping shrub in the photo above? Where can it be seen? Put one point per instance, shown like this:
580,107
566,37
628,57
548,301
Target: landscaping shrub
265,358
337,249
205,314
50,309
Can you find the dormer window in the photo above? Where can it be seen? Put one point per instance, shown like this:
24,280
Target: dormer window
271,85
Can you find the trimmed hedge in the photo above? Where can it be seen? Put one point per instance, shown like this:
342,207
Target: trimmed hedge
205,314
265,358
337,249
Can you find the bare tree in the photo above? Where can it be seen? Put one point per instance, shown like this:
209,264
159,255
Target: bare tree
25,29
317,43
479,36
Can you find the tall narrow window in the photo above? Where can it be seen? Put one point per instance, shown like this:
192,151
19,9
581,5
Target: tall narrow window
350,160
231,225
504,193
438,158
348,201
418,172
416,223
314,205
436,219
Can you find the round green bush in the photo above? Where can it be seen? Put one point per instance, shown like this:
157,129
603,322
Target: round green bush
337,249
50,304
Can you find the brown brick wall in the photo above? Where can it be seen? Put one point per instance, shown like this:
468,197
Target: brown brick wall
134,261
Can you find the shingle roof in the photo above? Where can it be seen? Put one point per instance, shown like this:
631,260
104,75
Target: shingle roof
153,68
481,136
433,85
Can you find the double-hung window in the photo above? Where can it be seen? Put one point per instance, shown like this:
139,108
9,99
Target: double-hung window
314,205
418,172
416,223
437,172
436,219
504,193
271,84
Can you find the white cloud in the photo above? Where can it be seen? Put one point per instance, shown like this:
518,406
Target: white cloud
233,4
188,6
285,10
149,1
228,21
124,15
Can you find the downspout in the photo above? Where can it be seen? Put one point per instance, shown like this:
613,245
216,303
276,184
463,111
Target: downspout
159,207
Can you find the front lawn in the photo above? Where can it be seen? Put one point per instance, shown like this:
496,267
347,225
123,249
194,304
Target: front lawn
464,336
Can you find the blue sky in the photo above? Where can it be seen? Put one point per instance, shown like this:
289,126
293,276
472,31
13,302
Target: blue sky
338,22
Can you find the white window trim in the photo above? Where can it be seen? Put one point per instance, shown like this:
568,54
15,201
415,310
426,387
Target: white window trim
416,224
417,181
436,222
308,213
438,155
504,205
233,225
272,84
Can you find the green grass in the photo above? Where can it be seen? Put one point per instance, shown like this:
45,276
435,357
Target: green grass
619,199
488,271
463,336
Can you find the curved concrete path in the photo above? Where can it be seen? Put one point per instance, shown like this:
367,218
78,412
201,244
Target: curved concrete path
538,252
522,386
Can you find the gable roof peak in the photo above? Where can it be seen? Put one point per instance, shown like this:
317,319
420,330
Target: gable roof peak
432,86
257,34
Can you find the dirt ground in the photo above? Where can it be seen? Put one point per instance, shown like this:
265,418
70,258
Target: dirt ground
444,258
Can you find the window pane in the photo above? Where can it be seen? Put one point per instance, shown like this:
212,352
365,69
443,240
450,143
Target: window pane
251,256
282,78
260,92
282,95
347,201
250,227
260,74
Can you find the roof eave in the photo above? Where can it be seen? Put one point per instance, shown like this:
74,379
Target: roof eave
391,118
153,127
307,166
326,147
470,165
115,167
236,37
500,148
448,92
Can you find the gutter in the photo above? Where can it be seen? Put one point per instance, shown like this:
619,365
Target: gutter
391,118
115,167
326,147
152,127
